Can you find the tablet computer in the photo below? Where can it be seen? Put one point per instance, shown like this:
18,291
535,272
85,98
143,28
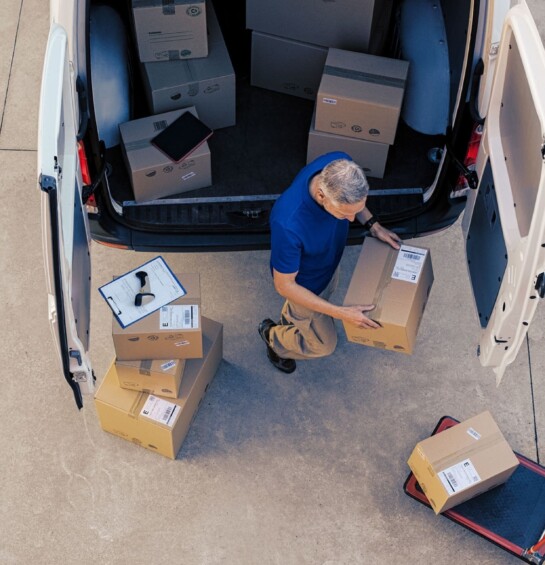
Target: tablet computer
182,137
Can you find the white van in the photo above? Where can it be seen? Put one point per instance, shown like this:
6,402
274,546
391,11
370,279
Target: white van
470,138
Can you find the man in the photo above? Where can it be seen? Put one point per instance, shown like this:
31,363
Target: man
309,228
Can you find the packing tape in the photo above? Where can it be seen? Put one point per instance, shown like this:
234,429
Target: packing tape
385,279
467,452
364,77
145,367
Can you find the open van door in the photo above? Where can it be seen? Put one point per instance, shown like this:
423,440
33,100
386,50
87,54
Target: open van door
504,222
65,229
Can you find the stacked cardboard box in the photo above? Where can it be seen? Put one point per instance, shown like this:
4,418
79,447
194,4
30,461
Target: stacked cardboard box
172,30
164,364
359,98
290,39
152,173
207,83
185,66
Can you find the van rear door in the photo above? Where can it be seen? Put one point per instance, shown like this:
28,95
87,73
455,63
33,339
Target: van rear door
65,232
504,222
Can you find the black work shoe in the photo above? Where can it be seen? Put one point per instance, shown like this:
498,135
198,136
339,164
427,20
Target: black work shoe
284,365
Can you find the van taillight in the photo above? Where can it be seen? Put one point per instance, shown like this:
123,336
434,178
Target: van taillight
85,175
470,159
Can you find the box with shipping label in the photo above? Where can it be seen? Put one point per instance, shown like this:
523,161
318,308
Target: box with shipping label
462,462
168,30
360,95
357,25
398,283
369,155
172,332
154,376
286,66
153,174
208,83
156,423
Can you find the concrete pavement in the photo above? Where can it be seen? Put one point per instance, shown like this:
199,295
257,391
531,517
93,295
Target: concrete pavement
276,469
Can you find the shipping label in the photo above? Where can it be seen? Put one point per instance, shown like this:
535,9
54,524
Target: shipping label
459,477
409,264
179,317
160,410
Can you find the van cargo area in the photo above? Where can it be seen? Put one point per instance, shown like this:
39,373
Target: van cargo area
256,159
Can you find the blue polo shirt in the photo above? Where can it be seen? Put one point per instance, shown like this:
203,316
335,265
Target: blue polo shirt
305,239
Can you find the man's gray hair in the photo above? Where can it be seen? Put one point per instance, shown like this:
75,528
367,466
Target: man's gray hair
344,182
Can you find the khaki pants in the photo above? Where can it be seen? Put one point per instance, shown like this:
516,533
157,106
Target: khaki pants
303,333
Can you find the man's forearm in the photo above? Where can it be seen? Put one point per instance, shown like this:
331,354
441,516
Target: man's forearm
306,298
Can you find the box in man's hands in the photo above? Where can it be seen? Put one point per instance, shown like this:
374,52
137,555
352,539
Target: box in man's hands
398,283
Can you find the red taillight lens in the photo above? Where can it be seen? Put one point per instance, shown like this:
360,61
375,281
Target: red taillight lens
85,175
470,158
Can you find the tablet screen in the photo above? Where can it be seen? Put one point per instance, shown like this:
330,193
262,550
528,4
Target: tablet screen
182,137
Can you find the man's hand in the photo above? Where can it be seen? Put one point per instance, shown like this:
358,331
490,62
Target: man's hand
385,235
356,315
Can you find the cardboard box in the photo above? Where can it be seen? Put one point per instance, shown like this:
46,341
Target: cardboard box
462,462
287,66
170,30
398,284
172,332
163,429
357,25
208,84
360,95
370,156
153,174
154,376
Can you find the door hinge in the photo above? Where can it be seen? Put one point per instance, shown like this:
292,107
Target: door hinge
47,183
77,356
540,285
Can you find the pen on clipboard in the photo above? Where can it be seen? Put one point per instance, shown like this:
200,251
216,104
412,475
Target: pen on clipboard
117,310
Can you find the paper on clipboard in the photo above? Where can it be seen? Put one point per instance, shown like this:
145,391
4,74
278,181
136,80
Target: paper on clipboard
120,293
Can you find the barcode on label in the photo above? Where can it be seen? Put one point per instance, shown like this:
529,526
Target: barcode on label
452,480
160,125
160,410
187,317
167,414
168,365
412,256
473,433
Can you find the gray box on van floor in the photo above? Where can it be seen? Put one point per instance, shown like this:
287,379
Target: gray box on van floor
153,174
170,30
369,155
358,25
360,95
207,83
287,66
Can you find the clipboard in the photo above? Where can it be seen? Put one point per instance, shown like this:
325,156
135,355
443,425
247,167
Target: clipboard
120,293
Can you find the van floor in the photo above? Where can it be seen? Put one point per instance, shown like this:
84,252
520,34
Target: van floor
267,147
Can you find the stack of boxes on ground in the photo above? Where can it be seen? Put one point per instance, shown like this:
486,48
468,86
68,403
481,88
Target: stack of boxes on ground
185,68
331,52
163,366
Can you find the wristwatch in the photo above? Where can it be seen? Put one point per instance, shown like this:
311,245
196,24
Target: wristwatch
370,223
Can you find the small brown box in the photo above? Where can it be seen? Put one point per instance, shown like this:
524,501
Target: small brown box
360,95
172,332
462,462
